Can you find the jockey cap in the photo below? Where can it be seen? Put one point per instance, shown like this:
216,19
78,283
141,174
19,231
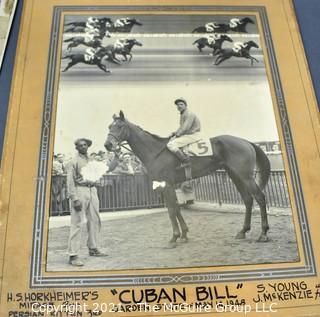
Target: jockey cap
180,100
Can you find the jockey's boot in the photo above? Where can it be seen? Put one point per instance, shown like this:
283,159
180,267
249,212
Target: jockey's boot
184,158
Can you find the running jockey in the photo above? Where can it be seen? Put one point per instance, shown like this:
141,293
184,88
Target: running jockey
187,133
212,38
210,26
121,22
91,34
90,54
238,46
120,44
92,23
234,22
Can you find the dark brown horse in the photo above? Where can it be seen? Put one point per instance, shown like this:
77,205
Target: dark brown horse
81,40
237,156
214,43
225,28
243,52
97,60
80,26
124,51
126,28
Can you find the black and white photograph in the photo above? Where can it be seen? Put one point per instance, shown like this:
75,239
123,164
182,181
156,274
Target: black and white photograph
167,149
7,10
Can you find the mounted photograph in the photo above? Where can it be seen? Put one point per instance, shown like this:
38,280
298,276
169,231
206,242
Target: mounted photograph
168,146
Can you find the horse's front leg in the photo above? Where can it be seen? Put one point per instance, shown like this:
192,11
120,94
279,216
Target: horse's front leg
125,57
103,67
130,56
183,225
170,197
253,59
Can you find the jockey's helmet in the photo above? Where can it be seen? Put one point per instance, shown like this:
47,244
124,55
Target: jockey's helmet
180,100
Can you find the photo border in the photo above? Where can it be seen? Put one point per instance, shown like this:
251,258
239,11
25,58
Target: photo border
38,280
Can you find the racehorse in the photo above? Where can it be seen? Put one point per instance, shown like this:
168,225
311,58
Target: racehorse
215,44
126,28
78,40
124,51
237,156
100,55
79,26
95,42
225,28
244,52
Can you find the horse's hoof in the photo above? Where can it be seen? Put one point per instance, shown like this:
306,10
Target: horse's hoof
263,238
184,240
240,235
171,245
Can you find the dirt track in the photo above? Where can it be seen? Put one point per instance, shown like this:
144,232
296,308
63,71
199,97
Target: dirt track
139,242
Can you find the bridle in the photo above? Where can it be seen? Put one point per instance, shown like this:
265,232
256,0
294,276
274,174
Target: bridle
120,144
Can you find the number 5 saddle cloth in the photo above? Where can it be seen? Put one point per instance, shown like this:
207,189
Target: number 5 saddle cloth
201,147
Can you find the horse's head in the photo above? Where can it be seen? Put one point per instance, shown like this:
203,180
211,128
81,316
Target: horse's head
252,44
118,132
134,42
227,38
135,21
247,20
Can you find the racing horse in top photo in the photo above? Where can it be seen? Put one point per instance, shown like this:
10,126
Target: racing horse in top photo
123,25
239,49
237,156
91,57
214,42
235,25
122,47
90,24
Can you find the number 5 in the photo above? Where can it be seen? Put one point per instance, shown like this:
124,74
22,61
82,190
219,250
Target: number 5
202,146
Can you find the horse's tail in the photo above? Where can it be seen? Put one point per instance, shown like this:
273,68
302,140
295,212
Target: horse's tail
67,56
196,41
263,165
200,29
70,23
68,40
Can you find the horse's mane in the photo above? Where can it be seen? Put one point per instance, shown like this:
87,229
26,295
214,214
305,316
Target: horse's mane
157,137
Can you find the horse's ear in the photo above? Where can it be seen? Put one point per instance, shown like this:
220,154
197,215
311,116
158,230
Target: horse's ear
114,117
121,115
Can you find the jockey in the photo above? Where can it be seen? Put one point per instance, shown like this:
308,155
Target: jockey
122,22
234,22
91,34
238,46
90,53
188,132
210,26
120,44
92,23
212,38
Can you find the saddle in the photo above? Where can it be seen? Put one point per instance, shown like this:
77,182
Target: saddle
199,148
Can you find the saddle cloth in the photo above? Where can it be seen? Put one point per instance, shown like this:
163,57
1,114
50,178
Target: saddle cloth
200,148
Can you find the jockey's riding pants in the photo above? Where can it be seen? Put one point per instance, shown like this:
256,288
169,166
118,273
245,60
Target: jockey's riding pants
175,144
